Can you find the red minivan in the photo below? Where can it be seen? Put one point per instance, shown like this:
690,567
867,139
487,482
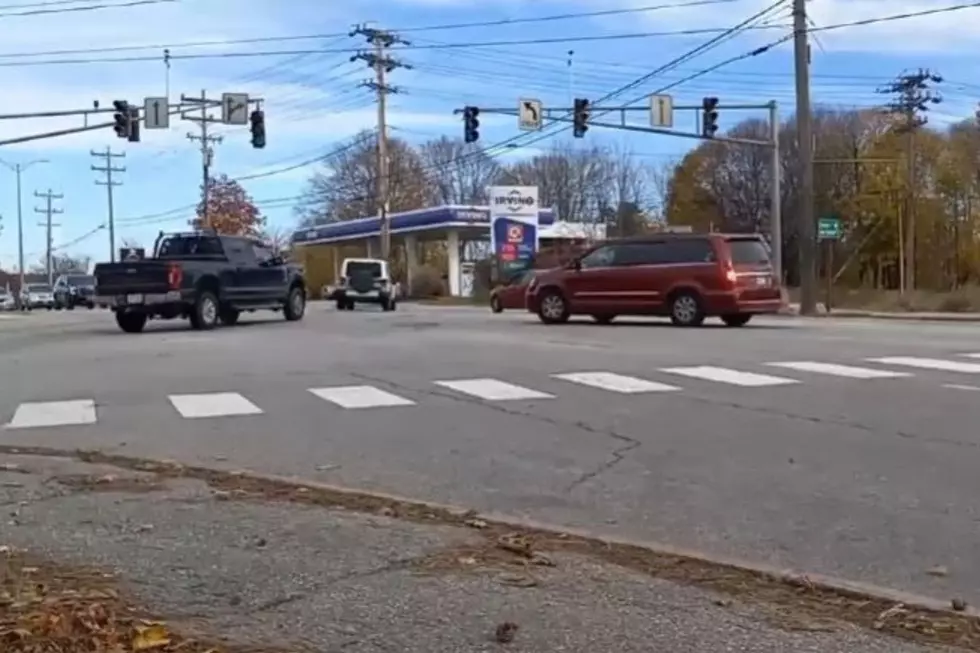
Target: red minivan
686,277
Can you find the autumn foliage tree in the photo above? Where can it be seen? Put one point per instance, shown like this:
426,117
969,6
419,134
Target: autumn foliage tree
230,209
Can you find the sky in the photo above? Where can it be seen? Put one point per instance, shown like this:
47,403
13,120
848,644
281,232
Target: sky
66,54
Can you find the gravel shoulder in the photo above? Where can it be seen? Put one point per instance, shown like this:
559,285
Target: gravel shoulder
231,570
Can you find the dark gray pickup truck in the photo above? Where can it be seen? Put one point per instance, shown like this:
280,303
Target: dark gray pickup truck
205,277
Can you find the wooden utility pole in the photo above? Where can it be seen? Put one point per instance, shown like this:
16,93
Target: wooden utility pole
109,184
207,152
382,64
911,97
48,211
806,225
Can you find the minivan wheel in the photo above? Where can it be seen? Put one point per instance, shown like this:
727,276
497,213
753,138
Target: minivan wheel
552,308
686,309
736,319
495,305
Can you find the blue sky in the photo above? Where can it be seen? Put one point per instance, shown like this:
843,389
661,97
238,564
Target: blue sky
313,101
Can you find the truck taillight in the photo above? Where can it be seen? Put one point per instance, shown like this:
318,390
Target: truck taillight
175,276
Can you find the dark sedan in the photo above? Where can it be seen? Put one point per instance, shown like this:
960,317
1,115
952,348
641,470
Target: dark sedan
510,296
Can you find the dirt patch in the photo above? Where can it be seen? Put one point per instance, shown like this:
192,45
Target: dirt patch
47,608
109,483
791,600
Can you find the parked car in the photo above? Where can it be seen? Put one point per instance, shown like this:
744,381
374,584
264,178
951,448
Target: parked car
7,301
510,296
201,276
686,277
364,281
71,290
37,295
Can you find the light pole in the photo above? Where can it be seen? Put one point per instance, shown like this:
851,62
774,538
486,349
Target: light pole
18,168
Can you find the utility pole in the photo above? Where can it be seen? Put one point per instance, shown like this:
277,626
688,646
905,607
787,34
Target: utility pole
382,64
48,211
109,184
207,152
17,169
806,225
911,99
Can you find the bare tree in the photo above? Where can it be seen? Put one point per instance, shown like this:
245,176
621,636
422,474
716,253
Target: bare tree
278,238
345,188
459,172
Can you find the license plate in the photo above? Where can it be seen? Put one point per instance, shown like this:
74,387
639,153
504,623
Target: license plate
762,281
134,299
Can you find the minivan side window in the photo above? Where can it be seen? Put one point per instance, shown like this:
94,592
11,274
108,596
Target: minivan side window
599,258
693,250
648,253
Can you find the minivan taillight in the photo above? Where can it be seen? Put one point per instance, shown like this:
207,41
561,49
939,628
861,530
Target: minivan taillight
175,276
730,275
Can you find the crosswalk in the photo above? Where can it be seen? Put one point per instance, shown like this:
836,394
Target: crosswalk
660,381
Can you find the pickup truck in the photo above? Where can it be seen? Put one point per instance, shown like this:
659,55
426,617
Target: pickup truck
202,276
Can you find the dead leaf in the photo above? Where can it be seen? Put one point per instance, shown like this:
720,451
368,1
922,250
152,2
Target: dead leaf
542,560
894,611
505,632
468,560
150,637
515,543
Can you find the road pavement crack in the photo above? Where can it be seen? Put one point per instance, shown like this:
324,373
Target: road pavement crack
626,444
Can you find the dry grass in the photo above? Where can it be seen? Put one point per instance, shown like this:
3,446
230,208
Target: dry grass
963,300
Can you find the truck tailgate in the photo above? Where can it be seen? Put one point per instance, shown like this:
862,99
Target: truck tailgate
132,277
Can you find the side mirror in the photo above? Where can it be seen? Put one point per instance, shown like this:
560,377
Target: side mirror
576,265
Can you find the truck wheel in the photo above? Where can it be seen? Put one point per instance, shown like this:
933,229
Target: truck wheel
229,316
295,304
131,322
204,314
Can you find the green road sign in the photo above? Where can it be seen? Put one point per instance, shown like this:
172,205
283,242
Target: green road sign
828,228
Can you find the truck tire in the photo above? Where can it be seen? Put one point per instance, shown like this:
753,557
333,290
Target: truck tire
295,306
131,322
204,314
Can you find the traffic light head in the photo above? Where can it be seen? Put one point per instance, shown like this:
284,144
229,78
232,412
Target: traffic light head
121,118
581,117
709,117
258,129
471,124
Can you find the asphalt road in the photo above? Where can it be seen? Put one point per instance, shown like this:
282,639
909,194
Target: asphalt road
843,447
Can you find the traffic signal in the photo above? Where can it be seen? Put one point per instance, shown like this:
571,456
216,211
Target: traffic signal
709,117
134,124
581,119
122,118
471,124
258,129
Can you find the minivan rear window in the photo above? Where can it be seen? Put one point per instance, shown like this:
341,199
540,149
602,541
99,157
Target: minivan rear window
748,251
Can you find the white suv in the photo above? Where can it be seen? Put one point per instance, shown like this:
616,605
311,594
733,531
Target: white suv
364,281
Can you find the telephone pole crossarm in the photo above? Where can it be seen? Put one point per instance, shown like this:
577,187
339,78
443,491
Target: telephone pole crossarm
110,183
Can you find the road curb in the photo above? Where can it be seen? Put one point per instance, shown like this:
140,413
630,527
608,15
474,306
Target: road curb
907,317
844,587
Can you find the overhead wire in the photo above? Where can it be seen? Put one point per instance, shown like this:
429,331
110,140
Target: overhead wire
90,7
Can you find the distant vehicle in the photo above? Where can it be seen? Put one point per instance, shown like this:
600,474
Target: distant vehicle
686,277
364,281
204,277
7,301
510,296
37,295
71,290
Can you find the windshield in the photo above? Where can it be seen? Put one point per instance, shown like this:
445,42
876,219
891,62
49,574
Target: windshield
38,287
363,267
748,251
189,246
81,281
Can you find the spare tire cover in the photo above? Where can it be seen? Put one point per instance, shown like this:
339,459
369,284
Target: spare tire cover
362,281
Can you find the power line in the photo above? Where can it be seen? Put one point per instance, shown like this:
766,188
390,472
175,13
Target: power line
95,7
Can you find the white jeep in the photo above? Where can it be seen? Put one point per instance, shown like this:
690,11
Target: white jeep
364,281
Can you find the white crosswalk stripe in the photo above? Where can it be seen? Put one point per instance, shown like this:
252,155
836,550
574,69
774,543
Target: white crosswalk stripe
213,404
493,390
360,396
937,364
53,413
626,385
729,376
833,369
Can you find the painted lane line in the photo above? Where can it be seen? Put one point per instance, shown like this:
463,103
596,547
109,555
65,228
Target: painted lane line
847,371
493,390
929,364
213,404
731,377
626,385
53,413
360,396
957,386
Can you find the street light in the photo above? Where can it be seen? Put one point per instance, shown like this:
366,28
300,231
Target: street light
18,168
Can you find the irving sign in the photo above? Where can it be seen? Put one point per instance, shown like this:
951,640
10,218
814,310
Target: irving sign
514,227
